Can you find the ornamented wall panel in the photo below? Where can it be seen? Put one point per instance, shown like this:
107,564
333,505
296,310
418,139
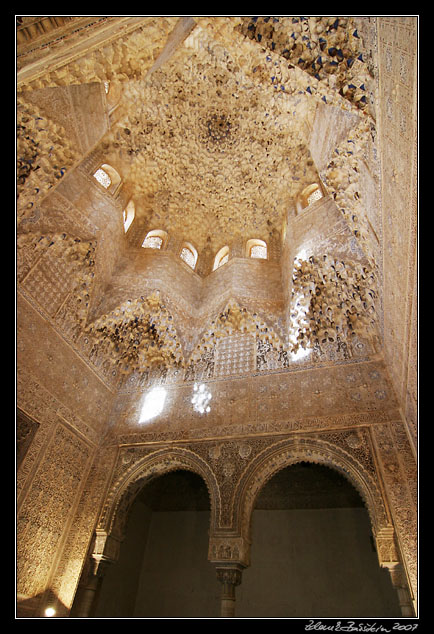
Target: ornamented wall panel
45,513
273,401
235,355
399,472
73,557
397,55
60,378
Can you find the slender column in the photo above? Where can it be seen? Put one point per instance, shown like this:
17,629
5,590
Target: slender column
399,582
89,592
229,577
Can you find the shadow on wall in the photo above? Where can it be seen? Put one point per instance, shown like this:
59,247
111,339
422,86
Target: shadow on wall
43,605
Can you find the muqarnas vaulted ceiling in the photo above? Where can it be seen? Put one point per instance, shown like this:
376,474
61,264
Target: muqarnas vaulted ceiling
215,145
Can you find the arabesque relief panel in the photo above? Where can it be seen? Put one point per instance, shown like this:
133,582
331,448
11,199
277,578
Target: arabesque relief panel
233,466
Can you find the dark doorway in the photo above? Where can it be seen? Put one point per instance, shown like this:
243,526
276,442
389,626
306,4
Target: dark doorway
163,569
312,552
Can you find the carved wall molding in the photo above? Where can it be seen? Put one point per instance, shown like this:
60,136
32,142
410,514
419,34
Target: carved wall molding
246,429
45,514
234,472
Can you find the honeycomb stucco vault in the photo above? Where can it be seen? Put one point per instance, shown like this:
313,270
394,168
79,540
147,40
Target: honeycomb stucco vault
280,155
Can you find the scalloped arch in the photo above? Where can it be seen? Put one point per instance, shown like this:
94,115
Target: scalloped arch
305,449
126,487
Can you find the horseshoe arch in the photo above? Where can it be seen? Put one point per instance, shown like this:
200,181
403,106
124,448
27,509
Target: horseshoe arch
110,530
316,450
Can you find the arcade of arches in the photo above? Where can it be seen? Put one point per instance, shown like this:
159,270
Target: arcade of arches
216,316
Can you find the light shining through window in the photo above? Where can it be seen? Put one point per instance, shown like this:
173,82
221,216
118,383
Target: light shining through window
201,398
299,322
103,178
301,255
153,404
300,354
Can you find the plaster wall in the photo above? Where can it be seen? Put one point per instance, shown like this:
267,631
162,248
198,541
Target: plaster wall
314,563
148,269
70,404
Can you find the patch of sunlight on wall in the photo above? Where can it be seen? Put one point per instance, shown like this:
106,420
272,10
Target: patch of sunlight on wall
153,404
201,398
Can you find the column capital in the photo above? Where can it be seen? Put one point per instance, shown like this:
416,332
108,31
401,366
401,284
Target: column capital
106,550
229,574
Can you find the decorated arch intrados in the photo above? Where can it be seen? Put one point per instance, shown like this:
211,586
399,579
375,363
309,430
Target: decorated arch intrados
311,450
124,490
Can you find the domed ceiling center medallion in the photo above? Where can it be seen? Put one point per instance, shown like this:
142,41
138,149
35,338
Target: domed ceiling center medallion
217,131
219,127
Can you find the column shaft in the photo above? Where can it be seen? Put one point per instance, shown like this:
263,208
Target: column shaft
229,577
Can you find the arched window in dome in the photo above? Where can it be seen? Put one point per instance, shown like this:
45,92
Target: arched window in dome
155,239
221,258
189,255
102,177
128,215
108,177
256,248
309,195
315,195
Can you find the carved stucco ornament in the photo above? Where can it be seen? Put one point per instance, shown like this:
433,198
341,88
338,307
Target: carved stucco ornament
233,487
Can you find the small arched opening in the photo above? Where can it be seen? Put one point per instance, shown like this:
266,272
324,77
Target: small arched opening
129,214
312,551
163,570
221,258
108,177
256,248
309,195
155,239
189,255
